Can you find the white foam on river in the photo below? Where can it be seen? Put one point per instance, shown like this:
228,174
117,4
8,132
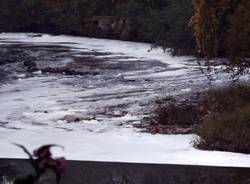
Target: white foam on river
32,109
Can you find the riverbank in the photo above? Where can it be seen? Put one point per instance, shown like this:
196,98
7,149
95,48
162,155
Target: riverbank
157,22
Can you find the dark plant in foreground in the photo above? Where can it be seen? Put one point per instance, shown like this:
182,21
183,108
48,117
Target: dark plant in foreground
42,161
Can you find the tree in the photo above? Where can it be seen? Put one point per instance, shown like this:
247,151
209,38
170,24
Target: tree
238,34
222,28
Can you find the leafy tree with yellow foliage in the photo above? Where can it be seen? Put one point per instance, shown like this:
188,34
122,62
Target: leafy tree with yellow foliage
222,28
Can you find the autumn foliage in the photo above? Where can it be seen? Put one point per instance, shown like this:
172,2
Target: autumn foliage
222,28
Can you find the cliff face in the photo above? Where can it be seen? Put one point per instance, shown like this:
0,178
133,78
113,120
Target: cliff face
110,27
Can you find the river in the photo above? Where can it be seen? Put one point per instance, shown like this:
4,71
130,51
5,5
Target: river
110,85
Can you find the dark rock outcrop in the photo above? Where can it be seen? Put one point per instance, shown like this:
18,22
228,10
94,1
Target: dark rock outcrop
67,71
30,66
74,118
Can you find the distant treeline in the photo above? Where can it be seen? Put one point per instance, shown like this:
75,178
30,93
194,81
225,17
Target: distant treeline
160,22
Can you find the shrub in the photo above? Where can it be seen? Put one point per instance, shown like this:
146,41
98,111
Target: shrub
222,100
178,116
175,117
228,131
226,126
182,114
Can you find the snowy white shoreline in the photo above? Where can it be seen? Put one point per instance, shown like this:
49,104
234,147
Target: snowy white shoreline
23,102
122,146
